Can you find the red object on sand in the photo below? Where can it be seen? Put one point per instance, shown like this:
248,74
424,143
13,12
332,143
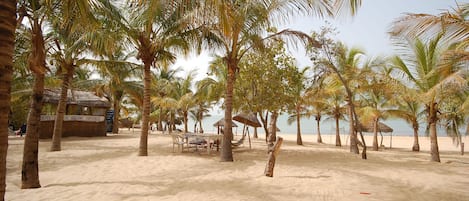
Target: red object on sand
365,193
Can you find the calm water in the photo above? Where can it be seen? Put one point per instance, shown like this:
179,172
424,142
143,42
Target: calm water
308,126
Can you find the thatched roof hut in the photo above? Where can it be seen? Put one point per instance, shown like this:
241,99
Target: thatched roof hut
85,114
75,97
369,128
249,119
221,122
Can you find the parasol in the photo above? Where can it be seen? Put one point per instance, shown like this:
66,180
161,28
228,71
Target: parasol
247,118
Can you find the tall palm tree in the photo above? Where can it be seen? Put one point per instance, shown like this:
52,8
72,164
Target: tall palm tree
7,41
422,65
297,89
74,25
117,80
157,30
35,14
185,96
235,28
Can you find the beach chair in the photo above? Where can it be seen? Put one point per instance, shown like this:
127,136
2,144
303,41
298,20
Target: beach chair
179,141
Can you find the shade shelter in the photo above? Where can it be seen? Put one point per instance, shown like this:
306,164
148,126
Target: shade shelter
382,128
221,123
249,119
85,114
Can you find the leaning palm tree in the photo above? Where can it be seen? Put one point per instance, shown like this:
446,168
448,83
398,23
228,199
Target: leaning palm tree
35,13
157,29
7,27
424,66
234,28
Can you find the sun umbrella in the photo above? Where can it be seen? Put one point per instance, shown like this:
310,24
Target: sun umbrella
248,119
369,128
221,122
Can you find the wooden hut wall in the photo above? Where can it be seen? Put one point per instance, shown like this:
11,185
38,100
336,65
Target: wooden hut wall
73,128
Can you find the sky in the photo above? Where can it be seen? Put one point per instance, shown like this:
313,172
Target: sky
367,30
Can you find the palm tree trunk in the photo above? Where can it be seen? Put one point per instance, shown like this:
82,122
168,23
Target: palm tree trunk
60,114
337,133
37,64
353,133
115,118
143,150
318,121
433,135
299,141
226,154
170,129
255,129
160,120
375,135
185,122
416,146
7,41
201,129
30,165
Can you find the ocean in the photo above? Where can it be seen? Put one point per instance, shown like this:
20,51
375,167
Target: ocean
309,126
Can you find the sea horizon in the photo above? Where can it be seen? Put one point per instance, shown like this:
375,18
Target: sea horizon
309,126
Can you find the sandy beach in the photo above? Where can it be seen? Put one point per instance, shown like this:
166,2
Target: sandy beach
108,168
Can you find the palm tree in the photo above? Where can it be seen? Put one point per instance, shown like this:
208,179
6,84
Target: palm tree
157,30
409,109
297,94
316,98
71,41
235,28
34,13
452,23
185,96
7,41
424,66
117,75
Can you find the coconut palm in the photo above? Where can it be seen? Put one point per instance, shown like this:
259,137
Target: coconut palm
234,28
297,96
34,12
453,23
424,66
336,109
156,29
409,108
185,96
73,39
117,75
7,27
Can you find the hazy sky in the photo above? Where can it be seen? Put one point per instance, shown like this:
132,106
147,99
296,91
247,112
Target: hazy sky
367,30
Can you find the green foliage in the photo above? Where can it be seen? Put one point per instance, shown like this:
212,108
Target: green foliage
268,80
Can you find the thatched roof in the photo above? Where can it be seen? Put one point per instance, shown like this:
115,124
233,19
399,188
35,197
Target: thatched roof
381,128
75,97
248,119
221,122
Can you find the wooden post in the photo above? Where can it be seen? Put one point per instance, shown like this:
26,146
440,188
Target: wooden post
269,168
462,148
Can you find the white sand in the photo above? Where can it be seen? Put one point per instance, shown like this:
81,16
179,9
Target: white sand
108,168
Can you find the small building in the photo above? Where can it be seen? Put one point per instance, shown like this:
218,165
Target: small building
85,114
